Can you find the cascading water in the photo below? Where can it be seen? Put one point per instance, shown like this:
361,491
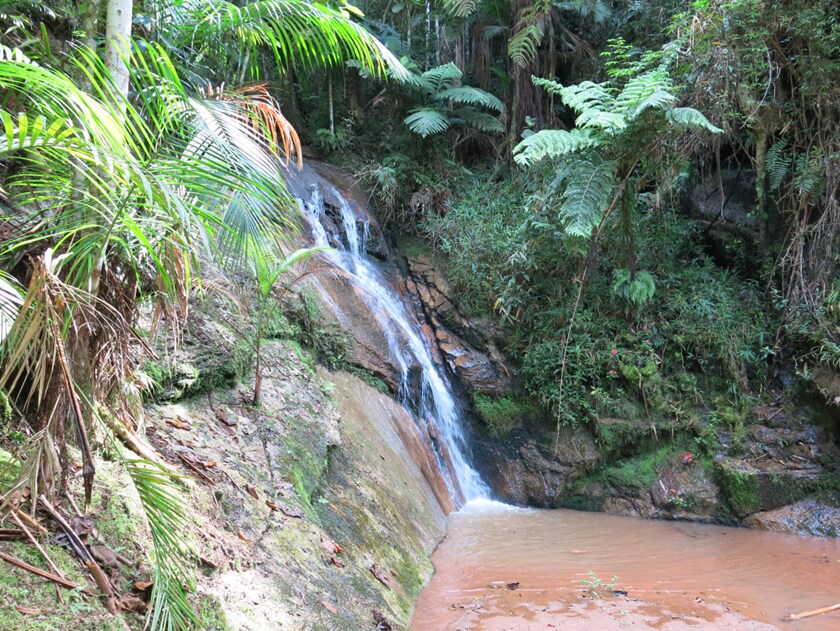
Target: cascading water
434,403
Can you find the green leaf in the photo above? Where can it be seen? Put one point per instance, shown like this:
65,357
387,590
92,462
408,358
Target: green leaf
469,95
690,117
426,121
553,143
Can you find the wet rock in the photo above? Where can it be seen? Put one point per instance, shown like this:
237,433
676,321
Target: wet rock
765,485
532,473
807,517
467,346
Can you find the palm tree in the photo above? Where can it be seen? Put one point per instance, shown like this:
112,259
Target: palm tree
115,198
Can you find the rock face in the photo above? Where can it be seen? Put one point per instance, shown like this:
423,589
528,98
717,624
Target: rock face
459,339
303,496
526,470
809,517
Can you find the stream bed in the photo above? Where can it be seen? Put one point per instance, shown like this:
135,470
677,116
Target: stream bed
502,568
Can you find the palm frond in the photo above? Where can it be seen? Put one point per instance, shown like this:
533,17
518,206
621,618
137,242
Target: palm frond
163,506
10,303
295,31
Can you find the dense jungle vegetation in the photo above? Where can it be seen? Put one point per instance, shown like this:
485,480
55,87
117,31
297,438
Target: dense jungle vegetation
640,194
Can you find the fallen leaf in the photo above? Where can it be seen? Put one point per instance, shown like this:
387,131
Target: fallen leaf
243,537
27,610
512,586
331,546
337,562
271,504
142,585
178,424
329,607
209,464
380,576
252,491
129,602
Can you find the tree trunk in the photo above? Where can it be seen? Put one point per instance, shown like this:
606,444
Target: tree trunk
117,42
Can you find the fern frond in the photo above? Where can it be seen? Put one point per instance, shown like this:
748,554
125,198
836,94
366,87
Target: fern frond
426,121
808,177
480,121
586,96
460,8
778,163
552,87
468,95
552,143
610,122
589,189
522,47
442,77
639,88
690,117
657,100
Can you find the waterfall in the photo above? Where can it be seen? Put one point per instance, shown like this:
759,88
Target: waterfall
434,404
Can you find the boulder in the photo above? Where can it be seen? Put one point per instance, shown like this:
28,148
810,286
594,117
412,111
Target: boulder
808,517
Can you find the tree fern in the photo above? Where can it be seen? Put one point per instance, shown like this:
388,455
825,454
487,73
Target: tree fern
590,185
450,103
427,121
587,95
441,77
522,47
640,88
480,121
553,143
469,95
690,117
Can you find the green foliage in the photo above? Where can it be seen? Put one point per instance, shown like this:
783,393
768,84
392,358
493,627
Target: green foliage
597,587
452,104
503,414
638,290
164,509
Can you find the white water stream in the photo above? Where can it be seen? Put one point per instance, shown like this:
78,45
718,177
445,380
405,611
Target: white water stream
434,403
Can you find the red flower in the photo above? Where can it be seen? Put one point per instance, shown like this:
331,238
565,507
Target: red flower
614,352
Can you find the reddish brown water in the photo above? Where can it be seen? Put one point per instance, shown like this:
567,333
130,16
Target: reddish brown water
677,575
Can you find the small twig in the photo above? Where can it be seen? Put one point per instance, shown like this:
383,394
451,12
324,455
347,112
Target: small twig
29,520
34,542
104,586
196,470
812,612
43,552
38,572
